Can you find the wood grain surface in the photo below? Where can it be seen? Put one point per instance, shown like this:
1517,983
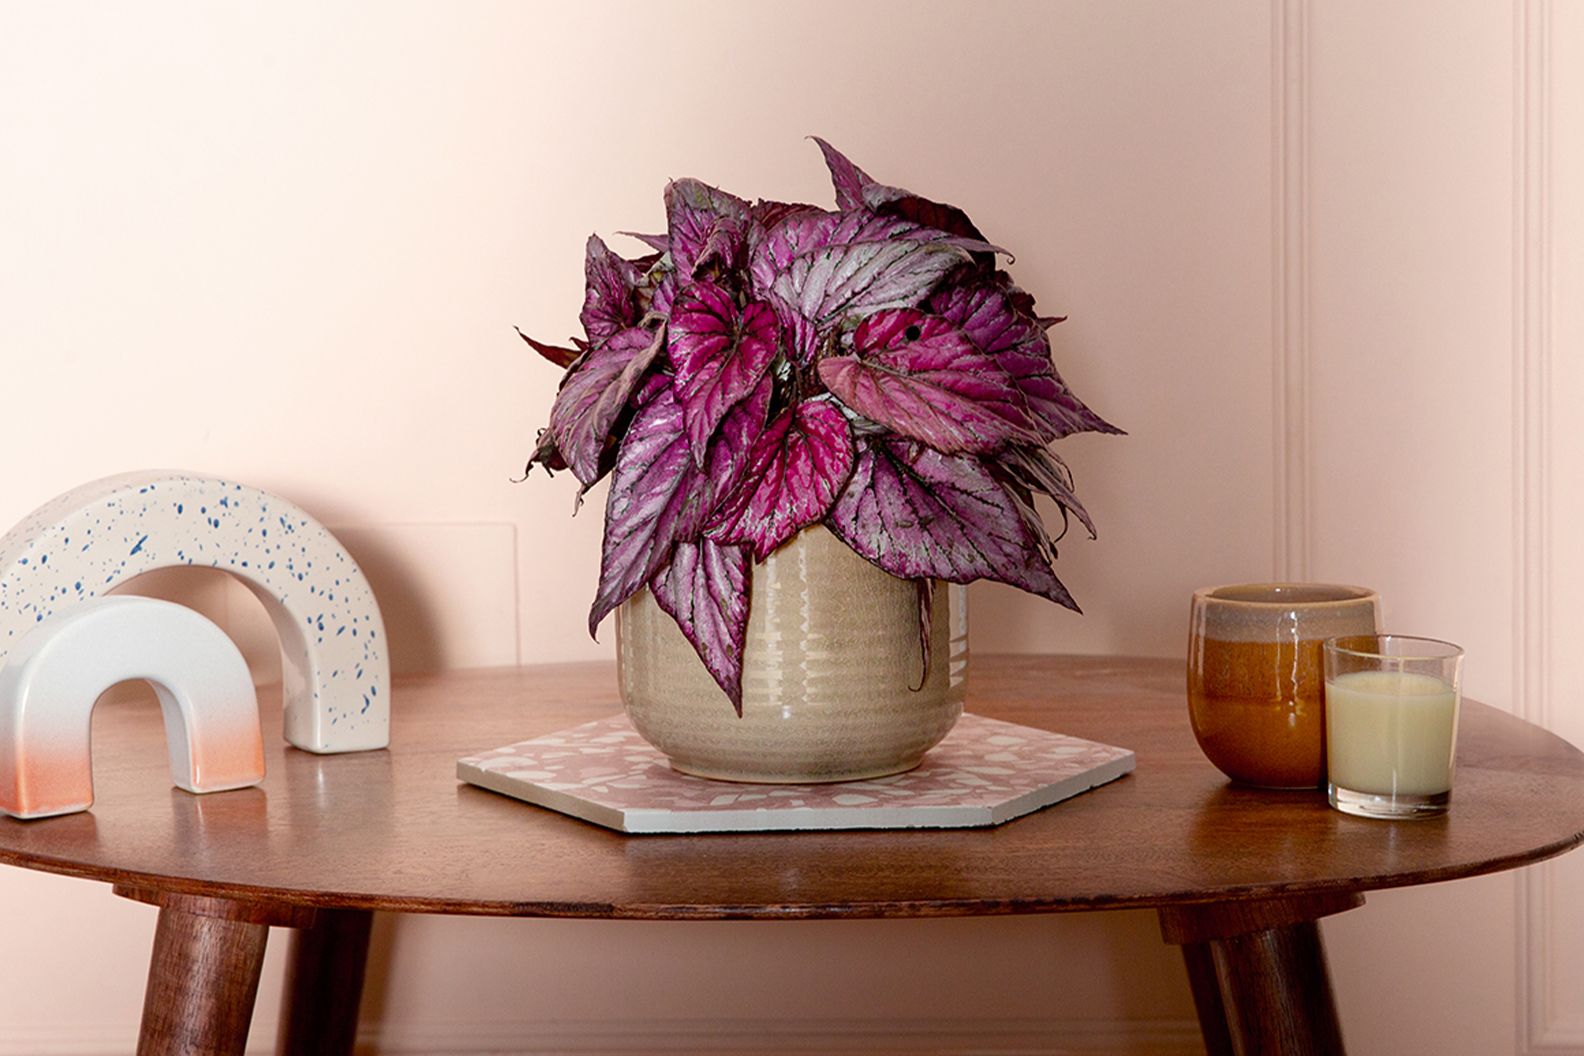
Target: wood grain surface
394,830
203,978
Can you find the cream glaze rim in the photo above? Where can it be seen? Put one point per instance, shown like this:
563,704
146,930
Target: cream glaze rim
1356,595
1270,620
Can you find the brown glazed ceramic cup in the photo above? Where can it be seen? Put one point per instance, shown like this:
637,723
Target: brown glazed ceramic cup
1256,678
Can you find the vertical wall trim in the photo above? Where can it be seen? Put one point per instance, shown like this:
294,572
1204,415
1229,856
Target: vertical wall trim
1290,282
1538,1028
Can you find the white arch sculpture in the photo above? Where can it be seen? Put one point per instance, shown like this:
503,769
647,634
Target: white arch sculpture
52,678
76,547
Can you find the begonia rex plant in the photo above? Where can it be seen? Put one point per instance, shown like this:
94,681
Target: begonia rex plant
771,366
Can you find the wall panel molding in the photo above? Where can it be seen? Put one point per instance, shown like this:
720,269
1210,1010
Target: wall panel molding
1290,283
1541,1028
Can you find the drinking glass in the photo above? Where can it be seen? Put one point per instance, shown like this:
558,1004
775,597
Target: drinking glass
1391,705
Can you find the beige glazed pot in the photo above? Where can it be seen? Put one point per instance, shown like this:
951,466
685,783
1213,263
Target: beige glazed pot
829,673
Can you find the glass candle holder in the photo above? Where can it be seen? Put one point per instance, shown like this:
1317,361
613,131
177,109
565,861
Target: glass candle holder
1391,724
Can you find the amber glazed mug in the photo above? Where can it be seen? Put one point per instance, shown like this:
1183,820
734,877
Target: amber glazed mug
1256,675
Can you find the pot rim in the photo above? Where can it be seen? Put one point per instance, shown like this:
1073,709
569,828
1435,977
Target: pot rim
1285,595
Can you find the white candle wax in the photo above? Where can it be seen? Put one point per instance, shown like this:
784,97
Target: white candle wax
1390,732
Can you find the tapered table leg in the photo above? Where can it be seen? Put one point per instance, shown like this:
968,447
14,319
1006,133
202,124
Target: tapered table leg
1206,987
1268,968
203,977
324,984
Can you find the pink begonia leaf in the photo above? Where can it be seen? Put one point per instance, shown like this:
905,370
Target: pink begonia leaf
655,382
705,589
720,355
545,454
658,243
797,469
763,214
657,499
893,201
664,297
855,189
848,179
920,376
1040,470
1023,502
732,449
705,226
823,268
926,621
593,394
652,385
998,318
610,296
917,513
561,357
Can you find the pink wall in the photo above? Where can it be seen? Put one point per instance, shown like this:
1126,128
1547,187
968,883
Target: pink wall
1316,255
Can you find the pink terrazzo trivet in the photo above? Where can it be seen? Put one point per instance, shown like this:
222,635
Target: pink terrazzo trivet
985,772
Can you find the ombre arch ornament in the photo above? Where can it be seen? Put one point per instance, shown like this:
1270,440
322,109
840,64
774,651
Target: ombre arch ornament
51,680
77,547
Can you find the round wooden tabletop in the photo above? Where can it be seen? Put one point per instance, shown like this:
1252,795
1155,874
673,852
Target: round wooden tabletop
394,830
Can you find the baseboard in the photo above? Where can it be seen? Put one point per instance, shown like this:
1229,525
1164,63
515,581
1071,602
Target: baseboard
946,1037
1560,1037
69,1039
943,1037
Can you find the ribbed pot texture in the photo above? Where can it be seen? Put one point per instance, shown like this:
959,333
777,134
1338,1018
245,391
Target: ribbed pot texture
829,673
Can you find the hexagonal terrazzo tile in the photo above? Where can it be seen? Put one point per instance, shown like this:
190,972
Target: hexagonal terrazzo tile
984,773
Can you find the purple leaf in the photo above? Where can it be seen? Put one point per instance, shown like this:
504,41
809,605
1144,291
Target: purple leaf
610,297
720,355
705,589
917,513
824,267
763,215
1040,470
1023,502
593,394
545,454
849,179
657,498
653,383
998,318
855,189
561,357
658,243
664,298
705,226
920,376
893,201
733,446
797,469
926,618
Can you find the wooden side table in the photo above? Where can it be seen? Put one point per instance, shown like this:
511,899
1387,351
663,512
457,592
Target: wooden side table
1238,876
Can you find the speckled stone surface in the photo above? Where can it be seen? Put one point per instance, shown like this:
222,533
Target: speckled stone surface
984,773
85,542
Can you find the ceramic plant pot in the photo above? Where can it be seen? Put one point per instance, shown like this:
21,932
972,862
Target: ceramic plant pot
831,673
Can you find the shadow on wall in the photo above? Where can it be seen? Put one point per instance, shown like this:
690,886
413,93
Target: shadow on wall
411,621
1002,619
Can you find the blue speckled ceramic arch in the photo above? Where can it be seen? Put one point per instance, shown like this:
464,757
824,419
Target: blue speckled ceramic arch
85,542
